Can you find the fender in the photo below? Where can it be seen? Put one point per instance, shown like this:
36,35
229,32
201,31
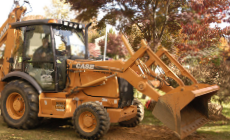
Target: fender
17,74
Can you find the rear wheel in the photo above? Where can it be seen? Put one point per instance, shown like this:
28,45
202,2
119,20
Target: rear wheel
19,105
91,120
138,118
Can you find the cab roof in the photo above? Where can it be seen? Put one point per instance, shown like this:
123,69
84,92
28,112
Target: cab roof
44,22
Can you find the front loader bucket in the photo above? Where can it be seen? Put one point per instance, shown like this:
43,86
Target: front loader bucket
184,111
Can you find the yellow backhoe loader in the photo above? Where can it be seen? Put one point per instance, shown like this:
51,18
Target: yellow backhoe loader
46,72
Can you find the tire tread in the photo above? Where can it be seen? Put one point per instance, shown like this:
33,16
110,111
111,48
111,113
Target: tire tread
138,118
103,118
31,118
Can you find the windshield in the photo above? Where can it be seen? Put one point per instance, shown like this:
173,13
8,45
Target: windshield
69,42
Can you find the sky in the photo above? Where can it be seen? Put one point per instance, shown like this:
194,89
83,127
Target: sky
37,6
221,25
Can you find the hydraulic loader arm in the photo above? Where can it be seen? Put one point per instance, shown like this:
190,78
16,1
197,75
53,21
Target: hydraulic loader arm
154,59
134,70
183,109
183,71
8,36
139,78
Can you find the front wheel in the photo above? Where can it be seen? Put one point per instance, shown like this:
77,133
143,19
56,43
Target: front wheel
91,120
19,105
138,118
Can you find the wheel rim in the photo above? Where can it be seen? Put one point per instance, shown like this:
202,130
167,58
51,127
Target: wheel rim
87,121
15,106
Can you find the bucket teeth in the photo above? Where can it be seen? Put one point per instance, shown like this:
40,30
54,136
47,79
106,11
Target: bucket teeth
188,129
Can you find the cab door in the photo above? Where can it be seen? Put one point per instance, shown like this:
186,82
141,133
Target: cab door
38,56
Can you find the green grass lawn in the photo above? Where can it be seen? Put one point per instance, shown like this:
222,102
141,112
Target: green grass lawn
220,129
149,119
214,130
226,110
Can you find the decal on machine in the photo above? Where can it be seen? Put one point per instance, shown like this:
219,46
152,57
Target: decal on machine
104,100
84,66
99,102
60,106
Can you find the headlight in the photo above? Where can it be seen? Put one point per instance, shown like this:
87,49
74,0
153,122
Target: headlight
75,26
80,26
70,24
66,23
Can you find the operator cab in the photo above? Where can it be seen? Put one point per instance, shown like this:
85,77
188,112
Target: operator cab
42,48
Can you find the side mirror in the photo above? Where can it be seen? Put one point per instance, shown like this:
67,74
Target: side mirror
11,60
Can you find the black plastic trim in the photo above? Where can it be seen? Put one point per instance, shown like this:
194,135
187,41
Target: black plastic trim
28,78
54,58
33,22
41,22
125,93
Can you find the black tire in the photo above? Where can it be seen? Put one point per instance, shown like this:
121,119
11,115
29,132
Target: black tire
31,105
107,116
101,117
108,122
138,118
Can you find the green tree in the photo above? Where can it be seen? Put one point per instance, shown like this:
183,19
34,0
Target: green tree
151,16
94,34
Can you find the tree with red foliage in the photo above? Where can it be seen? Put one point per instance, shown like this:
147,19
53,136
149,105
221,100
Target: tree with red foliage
157,18
195,19
93,51
115,46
